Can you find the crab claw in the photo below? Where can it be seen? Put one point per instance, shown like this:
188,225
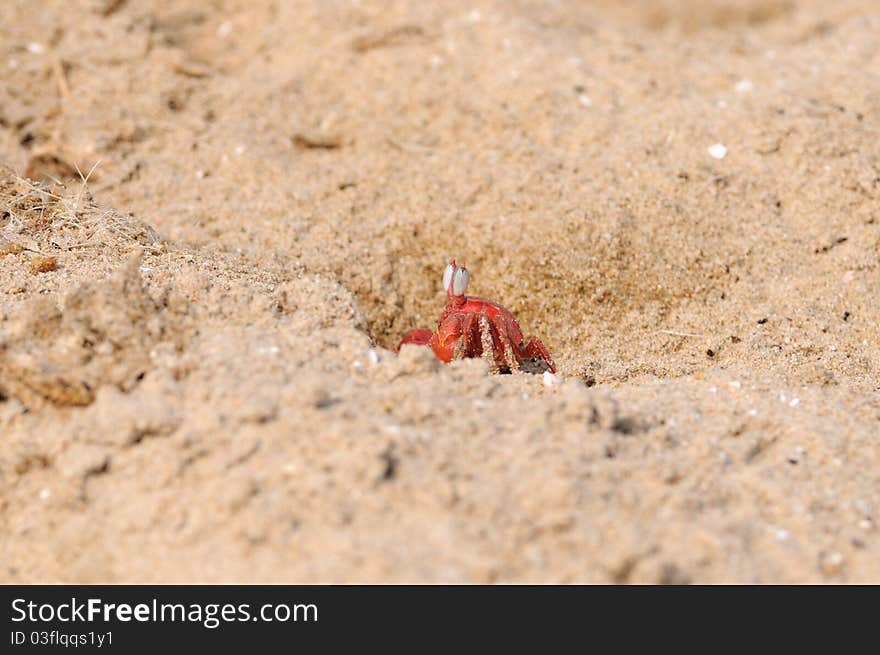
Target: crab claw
455,279
417,337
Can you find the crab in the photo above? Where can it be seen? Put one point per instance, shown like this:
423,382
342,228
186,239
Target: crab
476,327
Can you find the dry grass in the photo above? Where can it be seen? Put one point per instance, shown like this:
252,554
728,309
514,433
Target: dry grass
41,216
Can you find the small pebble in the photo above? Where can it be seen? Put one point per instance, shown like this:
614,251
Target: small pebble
551,380
832,563
43,265
584,99
744,86
794,402
225,29
718,151
44,494
373,356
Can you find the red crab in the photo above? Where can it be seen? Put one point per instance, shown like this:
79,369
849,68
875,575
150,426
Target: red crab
476,327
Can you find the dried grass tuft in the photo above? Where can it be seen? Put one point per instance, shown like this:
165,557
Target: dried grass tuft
42,216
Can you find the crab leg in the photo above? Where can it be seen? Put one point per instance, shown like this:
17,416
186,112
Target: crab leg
469,340
534,348
506,348
490,341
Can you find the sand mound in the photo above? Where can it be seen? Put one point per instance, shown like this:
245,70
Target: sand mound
102,335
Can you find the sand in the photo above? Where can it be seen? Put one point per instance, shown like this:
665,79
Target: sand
198,370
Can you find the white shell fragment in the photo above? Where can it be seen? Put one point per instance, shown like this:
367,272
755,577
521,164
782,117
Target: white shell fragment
551,380
718,151
744,86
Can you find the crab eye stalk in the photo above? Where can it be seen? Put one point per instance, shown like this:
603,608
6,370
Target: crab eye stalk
460,281
447,276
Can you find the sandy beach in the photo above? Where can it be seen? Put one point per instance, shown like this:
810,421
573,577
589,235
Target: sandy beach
199,377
